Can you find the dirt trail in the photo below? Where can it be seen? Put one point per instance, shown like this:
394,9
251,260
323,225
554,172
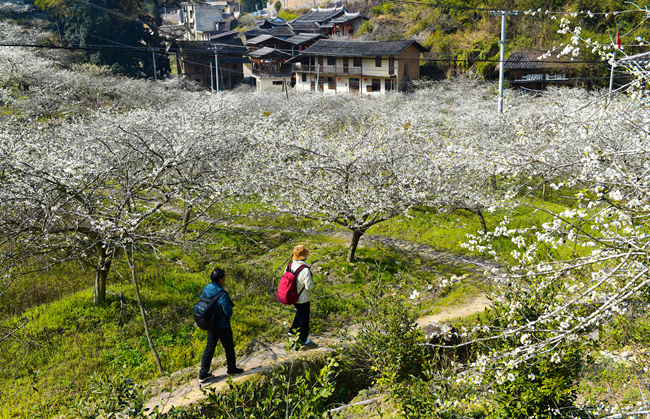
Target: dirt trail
271,355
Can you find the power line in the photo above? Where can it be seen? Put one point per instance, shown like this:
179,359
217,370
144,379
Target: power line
161,51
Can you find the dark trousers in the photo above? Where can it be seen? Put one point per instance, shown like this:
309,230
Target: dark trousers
301,321
214,336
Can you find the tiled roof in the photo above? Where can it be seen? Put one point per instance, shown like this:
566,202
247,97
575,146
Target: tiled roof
348,17
303,37
281,32
227,34
359,48
321,15
528,60
224,46
304,26
259,39
266,51
231,46
251,33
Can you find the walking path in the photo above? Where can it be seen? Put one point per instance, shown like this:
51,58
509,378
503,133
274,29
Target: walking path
272,355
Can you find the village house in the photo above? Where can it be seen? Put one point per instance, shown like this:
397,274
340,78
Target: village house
197,60
269,56
292,45
201,20
526,71
270,70
366,67
277,27
267,41
331,21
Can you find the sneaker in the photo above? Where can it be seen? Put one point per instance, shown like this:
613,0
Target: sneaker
205,378
310,344
235,371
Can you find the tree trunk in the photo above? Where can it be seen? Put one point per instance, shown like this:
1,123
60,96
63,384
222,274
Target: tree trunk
131,263
103,266
157,4
356,236
482,219
186,220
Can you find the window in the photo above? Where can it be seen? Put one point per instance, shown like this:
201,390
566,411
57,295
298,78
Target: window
304,77
377,61
354,85
312,60
356,62
331,61
389,85
331,83
277,82
376,85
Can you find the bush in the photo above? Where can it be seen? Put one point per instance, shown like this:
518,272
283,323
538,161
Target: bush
288,393
389,342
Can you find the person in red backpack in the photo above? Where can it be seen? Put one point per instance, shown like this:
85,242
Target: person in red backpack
304,287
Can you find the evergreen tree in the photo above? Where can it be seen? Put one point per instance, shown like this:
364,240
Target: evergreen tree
117,34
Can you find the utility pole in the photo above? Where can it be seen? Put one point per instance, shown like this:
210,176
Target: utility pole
216,66
502,61
211,79
155,76
611,75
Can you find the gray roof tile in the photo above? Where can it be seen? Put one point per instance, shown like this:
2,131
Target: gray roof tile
359,48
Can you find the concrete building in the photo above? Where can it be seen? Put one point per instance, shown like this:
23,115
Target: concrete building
201,20
360,67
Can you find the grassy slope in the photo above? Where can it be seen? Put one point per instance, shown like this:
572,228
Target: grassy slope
110,339
459,39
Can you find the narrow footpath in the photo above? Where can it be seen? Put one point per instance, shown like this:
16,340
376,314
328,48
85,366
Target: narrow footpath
274,355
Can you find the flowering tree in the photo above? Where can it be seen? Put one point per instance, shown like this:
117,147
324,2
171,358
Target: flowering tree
355,167
83,188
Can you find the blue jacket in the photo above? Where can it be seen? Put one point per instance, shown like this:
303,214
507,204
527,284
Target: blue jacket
224,301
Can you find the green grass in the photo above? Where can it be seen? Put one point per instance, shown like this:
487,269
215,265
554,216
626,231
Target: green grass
67,338
110,339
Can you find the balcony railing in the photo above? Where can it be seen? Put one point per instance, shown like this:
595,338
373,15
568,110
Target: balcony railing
336,70
272,71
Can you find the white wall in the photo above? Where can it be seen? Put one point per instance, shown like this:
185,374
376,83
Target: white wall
342,86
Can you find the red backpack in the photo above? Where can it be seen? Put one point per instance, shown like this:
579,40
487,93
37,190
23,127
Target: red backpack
287,288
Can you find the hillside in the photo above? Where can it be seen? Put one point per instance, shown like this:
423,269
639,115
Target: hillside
464,37
119,196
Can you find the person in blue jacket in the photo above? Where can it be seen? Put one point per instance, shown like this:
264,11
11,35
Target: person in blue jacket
221,331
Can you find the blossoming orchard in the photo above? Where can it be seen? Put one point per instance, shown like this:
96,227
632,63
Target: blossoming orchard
95,169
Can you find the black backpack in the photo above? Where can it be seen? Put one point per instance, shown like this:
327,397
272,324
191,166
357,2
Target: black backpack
206,313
